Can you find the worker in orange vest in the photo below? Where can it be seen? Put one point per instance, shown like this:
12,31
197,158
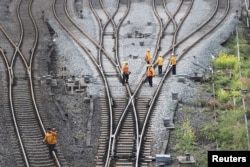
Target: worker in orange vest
50,139
150,74
126,72
173,63
159,62
148,56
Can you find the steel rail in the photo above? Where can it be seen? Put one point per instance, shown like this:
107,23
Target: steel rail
101,48
168,68
167,71
29,71
32,54
128,104
86,34
196,30
162,26
12,109
208,32
130,101
102,27
99,67
117,59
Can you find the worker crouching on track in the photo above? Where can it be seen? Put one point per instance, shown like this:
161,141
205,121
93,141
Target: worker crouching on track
125,72
50,139
150,74
159,62
148,56
173,63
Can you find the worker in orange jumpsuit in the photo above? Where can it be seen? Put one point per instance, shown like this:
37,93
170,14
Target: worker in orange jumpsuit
159,62
148,56
150,74
126,72
51,140
173,63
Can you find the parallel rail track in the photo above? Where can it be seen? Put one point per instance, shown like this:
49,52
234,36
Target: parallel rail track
123,145
25,115
125,135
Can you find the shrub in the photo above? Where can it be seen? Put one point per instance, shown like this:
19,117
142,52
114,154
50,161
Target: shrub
222,95
245,82
186,136
232,135
209,132
225,61
222,82
214,103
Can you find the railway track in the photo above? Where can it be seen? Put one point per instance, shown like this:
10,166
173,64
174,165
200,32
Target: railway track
124,124
25,116
125,137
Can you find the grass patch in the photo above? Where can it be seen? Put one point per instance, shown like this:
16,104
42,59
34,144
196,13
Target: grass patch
186,137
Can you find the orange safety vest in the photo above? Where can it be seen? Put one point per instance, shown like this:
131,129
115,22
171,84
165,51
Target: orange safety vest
148,56
160,61
150,72
173,60
125,69
50,138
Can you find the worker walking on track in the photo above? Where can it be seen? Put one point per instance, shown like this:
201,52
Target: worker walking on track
50,139
173,63
150,74
125,73
159,62
148,56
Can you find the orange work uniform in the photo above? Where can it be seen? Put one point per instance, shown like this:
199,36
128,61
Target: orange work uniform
148,57
150,74
125,69
173,60
50,138
126,73
159,62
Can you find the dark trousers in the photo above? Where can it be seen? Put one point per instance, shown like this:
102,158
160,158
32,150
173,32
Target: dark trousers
125,78
174,69
160,69
52,148
150,80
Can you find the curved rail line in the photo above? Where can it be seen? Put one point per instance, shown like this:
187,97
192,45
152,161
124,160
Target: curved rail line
131,110
96,63
131,100
25,115
168,69
116,48
166,72
101,48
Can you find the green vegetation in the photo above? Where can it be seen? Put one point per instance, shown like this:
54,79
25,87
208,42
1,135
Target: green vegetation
229,131
226,130
186,137
225,61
